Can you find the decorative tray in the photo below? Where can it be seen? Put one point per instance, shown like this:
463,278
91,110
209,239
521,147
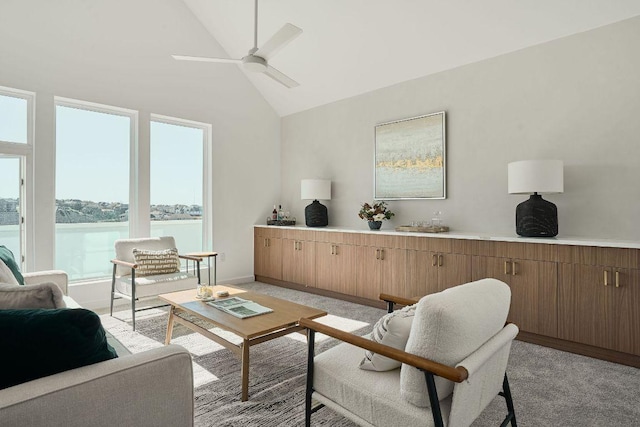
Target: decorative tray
429,229
281,222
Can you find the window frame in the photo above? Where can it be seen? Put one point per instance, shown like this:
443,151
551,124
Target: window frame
24,151
207,171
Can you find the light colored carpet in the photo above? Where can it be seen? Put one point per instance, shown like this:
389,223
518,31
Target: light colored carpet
550,387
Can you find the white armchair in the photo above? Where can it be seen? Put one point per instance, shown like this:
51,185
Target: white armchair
453,365
148,267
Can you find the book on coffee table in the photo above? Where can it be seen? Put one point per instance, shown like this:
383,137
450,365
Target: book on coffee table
239,307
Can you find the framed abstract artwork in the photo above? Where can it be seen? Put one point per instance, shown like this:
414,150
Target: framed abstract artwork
410,158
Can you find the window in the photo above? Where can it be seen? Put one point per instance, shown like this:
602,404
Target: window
14,118
177,150
93,144
10,224
16,135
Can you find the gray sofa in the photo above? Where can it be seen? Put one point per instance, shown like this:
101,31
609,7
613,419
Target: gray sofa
151,388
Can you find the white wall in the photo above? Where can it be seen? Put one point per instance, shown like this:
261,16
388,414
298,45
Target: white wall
116,52
576,99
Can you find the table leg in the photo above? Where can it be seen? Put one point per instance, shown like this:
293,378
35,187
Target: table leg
167,338
215,270
209,270
245,370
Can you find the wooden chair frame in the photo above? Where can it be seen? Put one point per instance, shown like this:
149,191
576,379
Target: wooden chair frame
428,367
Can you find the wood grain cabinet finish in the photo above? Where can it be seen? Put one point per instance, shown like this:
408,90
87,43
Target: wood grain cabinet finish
531,271
299,257
335,267
267,253
599,298
435,264
534,286
380,266
584,299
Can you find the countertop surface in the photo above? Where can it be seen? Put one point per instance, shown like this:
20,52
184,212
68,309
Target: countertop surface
558,240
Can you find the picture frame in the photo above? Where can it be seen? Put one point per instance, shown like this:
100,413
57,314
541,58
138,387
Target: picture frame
410,158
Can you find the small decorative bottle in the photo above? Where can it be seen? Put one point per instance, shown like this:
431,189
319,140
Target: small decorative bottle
274,214
280,213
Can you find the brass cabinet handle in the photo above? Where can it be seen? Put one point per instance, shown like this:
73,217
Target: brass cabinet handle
377,253
333,249
506,267
435,260
440,260
265,242
381,254
336,251
606,276
513,268
617,279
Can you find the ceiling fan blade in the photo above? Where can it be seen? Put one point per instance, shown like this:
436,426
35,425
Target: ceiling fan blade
205,59
279,40
280,77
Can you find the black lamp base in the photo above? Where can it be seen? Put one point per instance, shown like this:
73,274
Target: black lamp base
315,215
537,217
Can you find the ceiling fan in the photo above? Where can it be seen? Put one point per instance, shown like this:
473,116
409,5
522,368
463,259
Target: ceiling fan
257,59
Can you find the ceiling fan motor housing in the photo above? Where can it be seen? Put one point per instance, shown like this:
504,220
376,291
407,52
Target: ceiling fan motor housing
254,63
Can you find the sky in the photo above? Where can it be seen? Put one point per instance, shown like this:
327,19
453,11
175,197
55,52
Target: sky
93,151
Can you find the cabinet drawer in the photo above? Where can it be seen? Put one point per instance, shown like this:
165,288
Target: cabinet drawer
595,255
307,235
337,237
383,241
268,232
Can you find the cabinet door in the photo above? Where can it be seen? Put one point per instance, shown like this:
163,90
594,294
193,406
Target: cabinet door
393,275
260,255
534,301
273,259
453,270
368,272
533,291
298,262
624,310
307,262
582,305
335,267
344,272
291,267
422,273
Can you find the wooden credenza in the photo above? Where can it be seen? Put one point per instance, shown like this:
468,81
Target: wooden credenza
573,295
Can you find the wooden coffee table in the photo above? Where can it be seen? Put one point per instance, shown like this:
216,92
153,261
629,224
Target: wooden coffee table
253,330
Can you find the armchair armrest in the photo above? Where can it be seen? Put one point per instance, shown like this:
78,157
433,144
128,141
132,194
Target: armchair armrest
391,300
58,277
124,263
457,374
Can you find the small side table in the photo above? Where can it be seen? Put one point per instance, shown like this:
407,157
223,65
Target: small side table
208,256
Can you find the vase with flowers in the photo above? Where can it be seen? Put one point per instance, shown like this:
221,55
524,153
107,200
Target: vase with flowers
375,213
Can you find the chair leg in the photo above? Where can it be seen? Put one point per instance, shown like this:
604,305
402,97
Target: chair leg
113,289
133,298
309,389
433,399
506,393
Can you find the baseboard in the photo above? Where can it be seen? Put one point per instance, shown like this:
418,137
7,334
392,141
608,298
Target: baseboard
583,349
323,292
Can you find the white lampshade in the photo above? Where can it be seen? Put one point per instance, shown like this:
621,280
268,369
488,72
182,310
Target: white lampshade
536,176
315,189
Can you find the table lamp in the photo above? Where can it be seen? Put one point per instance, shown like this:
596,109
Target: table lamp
536,217
315,214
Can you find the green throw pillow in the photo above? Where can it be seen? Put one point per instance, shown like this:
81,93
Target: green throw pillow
7,257
41,342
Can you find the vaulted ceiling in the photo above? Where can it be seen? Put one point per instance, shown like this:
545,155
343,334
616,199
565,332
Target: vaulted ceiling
350,47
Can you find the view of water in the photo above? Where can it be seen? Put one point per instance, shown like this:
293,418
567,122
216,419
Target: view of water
84,250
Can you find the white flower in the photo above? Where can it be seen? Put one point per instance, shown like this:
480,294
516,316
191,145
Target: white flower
379,217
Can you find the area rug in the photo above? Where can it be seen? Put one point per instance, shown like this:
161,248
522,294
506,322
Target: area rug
550,387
